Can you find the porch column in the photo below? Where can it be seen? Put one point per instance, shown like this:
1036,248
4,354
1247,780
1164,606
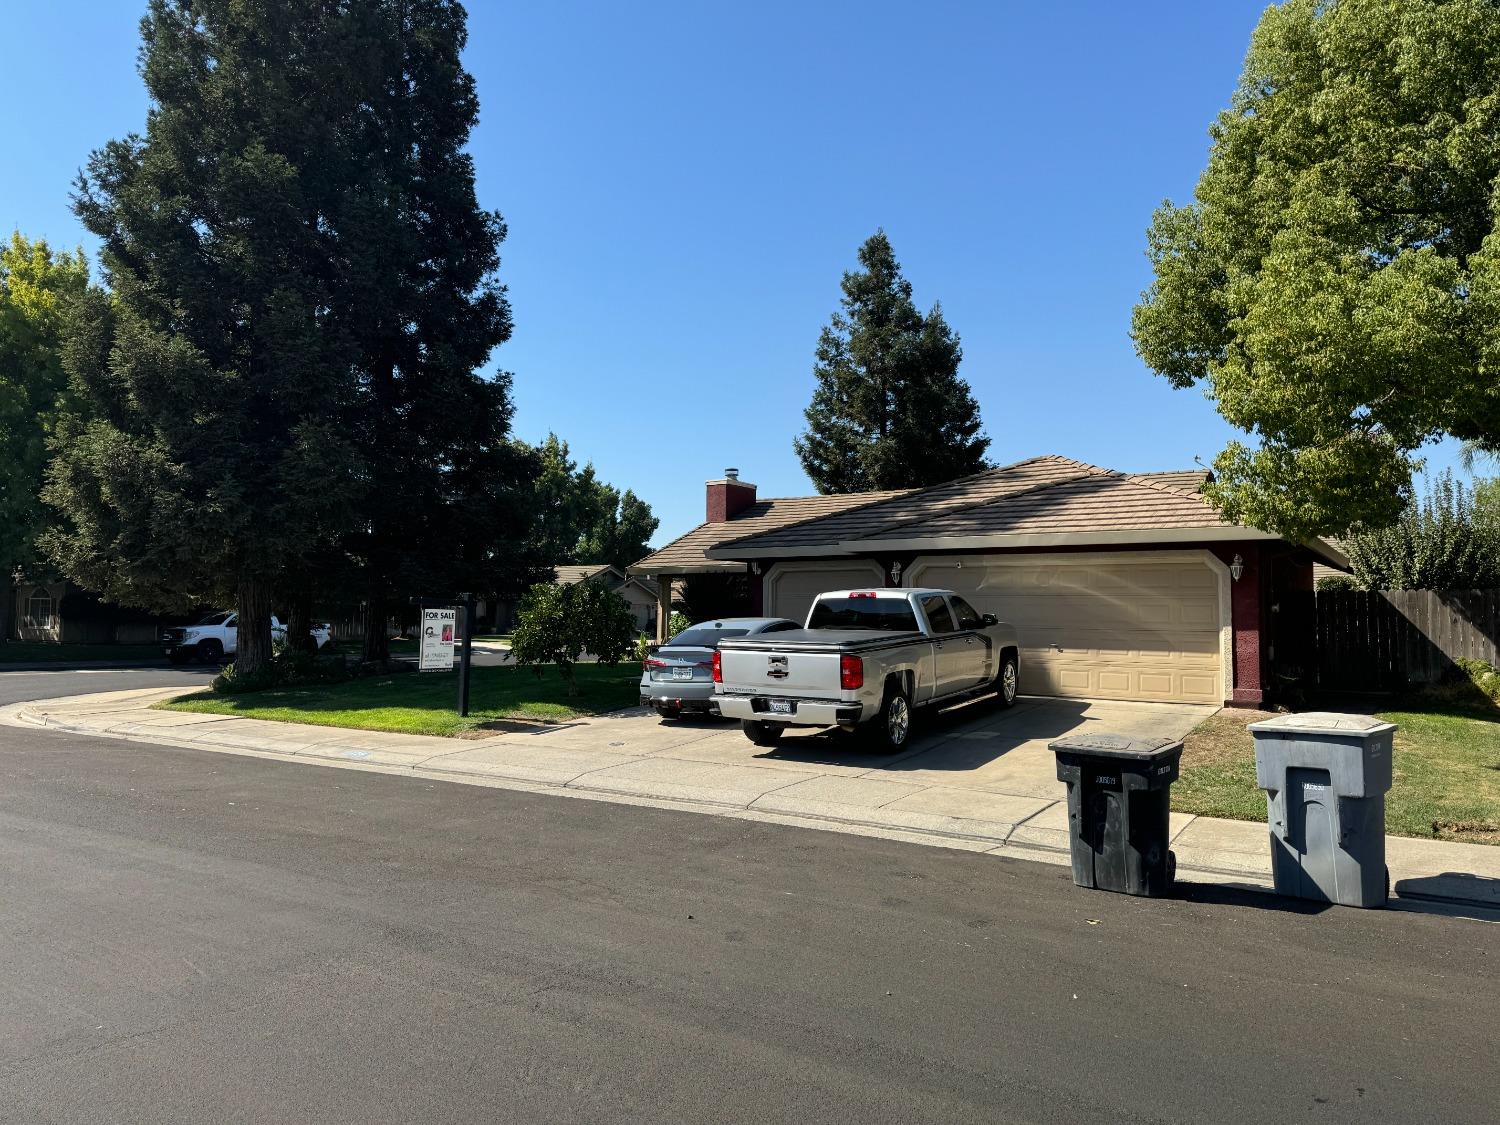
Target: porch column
663,606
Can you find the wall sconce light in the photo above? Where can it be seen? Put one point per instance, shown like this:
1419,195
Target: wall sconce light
1237,568
895,574
755,568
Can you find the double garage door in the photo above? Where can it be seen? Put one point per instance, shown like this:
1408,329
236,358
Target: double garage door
1096,626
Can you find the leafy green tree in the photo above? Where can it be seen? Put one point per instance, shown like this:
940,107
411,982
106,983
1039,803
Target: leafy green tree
621,532
206,448
1442,542
1335,284
559,624
36,287
578,518
889,409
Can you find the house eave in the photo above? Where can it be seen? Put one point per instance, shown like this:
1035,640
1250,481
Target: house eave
1002,541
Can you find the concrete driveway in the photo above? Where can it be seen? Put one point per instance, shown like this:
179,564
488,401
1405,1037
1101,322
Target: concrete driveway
971,761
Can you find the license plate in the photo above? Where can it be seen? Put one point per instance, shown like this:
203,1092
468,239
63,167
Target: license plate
679,673
779,706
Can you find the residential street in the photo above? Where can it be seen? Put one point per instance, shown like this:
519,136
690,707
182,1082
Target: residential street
195,936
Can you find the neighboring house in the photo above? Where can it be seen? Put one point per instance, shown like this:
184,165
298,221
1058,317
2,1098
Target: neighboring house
640,597
1122,586
60,612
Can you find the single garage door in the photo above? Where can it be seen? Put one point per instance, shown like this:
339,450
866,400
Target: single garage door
791,587
1100,626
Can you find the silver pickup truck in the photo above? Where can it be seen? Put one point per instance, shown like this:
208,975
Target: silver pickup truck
865,660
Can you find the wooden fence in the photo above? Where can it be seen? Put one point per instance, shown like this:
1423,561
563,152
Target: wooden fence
1382,641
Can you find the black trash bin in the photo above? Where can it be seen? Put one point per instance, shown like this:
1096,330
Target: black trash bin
1119,793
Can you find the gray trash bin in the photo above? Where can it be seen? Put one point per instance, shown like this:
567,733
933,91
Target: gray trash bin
1325,778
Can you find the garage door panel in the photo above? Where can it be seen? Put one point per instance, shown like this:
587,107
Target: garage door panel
1097,627
791,589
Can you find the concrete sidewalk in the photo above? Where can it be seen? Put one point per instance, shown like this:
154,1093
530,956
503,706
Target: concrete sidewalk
944,792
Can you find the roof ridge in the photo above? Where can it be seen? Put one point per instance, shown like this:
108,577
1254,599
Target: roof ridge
1135,478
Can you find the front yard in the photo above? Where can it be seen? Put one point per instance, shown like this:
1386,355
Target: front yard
1447,772
424,702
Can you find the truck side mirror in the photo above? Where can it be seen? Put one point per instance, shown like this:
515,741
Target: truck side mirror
990,619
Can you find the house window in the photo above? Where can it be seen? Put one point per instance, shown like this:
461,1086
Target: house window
41,611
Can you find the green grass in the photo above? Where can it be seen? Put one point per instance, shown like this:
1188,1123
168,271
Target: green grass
1446,765
425,702
25,652
494,638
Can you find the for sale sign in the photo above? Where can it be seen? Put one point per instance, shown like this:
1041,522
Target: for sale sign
438,629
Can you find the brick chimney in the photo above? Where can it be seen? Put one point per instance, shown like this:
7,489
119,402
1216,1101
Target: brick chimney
729,496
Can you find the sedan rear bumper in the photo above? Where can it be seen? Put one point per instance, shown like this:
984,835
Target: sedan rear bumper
685,696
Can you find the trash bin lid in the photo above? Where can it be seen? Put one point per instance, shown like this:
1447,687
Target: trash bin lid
1324,722
1116,746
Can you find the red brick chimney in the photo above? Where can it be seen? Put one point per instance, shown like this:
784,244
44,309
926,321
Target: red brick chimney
728,497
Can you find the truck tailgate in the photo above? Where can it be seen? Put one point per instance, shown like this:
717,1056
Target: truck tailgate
769,670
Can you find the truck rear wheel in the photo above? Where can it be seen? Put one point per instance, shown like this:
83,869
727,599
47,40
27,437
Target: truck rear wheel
761,733
890,730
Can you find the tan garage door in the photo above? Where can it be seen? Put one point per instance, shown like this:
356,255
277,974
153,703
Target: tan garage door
1100,627
791,587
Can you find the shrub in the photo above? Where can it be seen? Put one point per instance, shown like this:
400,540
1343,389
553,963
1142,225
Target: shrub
676,624
1337,582
1447,541
1483,676
287,667
643,647
558,624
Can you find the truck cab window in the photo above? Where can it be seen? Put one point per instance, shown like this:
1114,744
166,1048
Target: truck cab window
937,613
968,616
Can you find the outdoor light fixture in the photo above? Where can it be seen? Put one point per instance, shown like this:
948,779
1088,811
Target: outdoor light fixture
1237,568
895,574
755,568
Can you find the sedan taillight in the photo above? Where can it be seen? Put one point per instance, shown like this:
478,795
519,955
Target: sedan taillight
652,662
718,667
851,673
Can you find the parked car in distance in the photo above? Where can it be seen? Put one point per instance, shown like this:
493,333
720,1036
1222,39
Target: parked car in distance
678,678
216,635
865,661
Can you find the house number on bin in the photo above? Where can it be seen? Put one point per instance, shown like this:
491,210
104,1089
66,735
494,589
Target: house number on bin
1105,779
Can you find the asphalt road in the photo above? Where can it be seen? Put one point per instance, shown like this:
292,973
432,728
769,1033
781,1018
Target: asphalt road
188,936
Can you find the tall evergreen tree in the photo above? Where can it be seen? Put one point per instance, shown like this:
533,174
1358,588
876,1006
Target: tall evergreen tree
889,410
36,287
444,504
207,450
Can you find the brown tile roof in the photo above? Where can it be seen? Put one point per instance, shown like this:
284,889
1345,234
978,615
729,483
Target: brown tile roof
686,554
1083,505
567,575
1041,496
922,505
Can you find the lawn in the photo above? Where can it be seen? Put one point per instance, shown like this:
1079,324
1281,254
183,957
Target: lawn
425,702
1446,765
23,652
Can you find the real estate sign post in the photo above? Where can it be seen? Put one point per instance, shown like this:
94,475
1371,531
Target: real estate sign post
439,629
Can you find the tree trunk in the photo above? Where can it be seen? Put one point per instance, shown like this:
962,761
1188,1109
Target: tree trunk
253,643
299,621
377,643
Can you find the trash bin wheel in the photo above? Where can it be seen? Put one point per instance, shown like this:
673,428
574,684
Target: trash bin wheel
1171,868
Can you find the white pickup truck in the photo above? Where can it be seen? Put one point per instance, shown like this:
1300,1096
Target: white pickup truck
865,660
216,636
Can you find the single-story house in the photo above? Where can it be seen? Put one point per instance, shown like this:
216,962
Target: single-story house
60,612
640,596
1121,585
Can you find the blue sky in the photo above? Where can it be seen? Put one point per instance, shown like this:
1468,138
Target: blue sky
686,182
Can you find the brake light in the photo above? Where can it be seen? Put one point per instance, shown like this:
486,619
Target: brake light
869,595
718,667
851,673
652,662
